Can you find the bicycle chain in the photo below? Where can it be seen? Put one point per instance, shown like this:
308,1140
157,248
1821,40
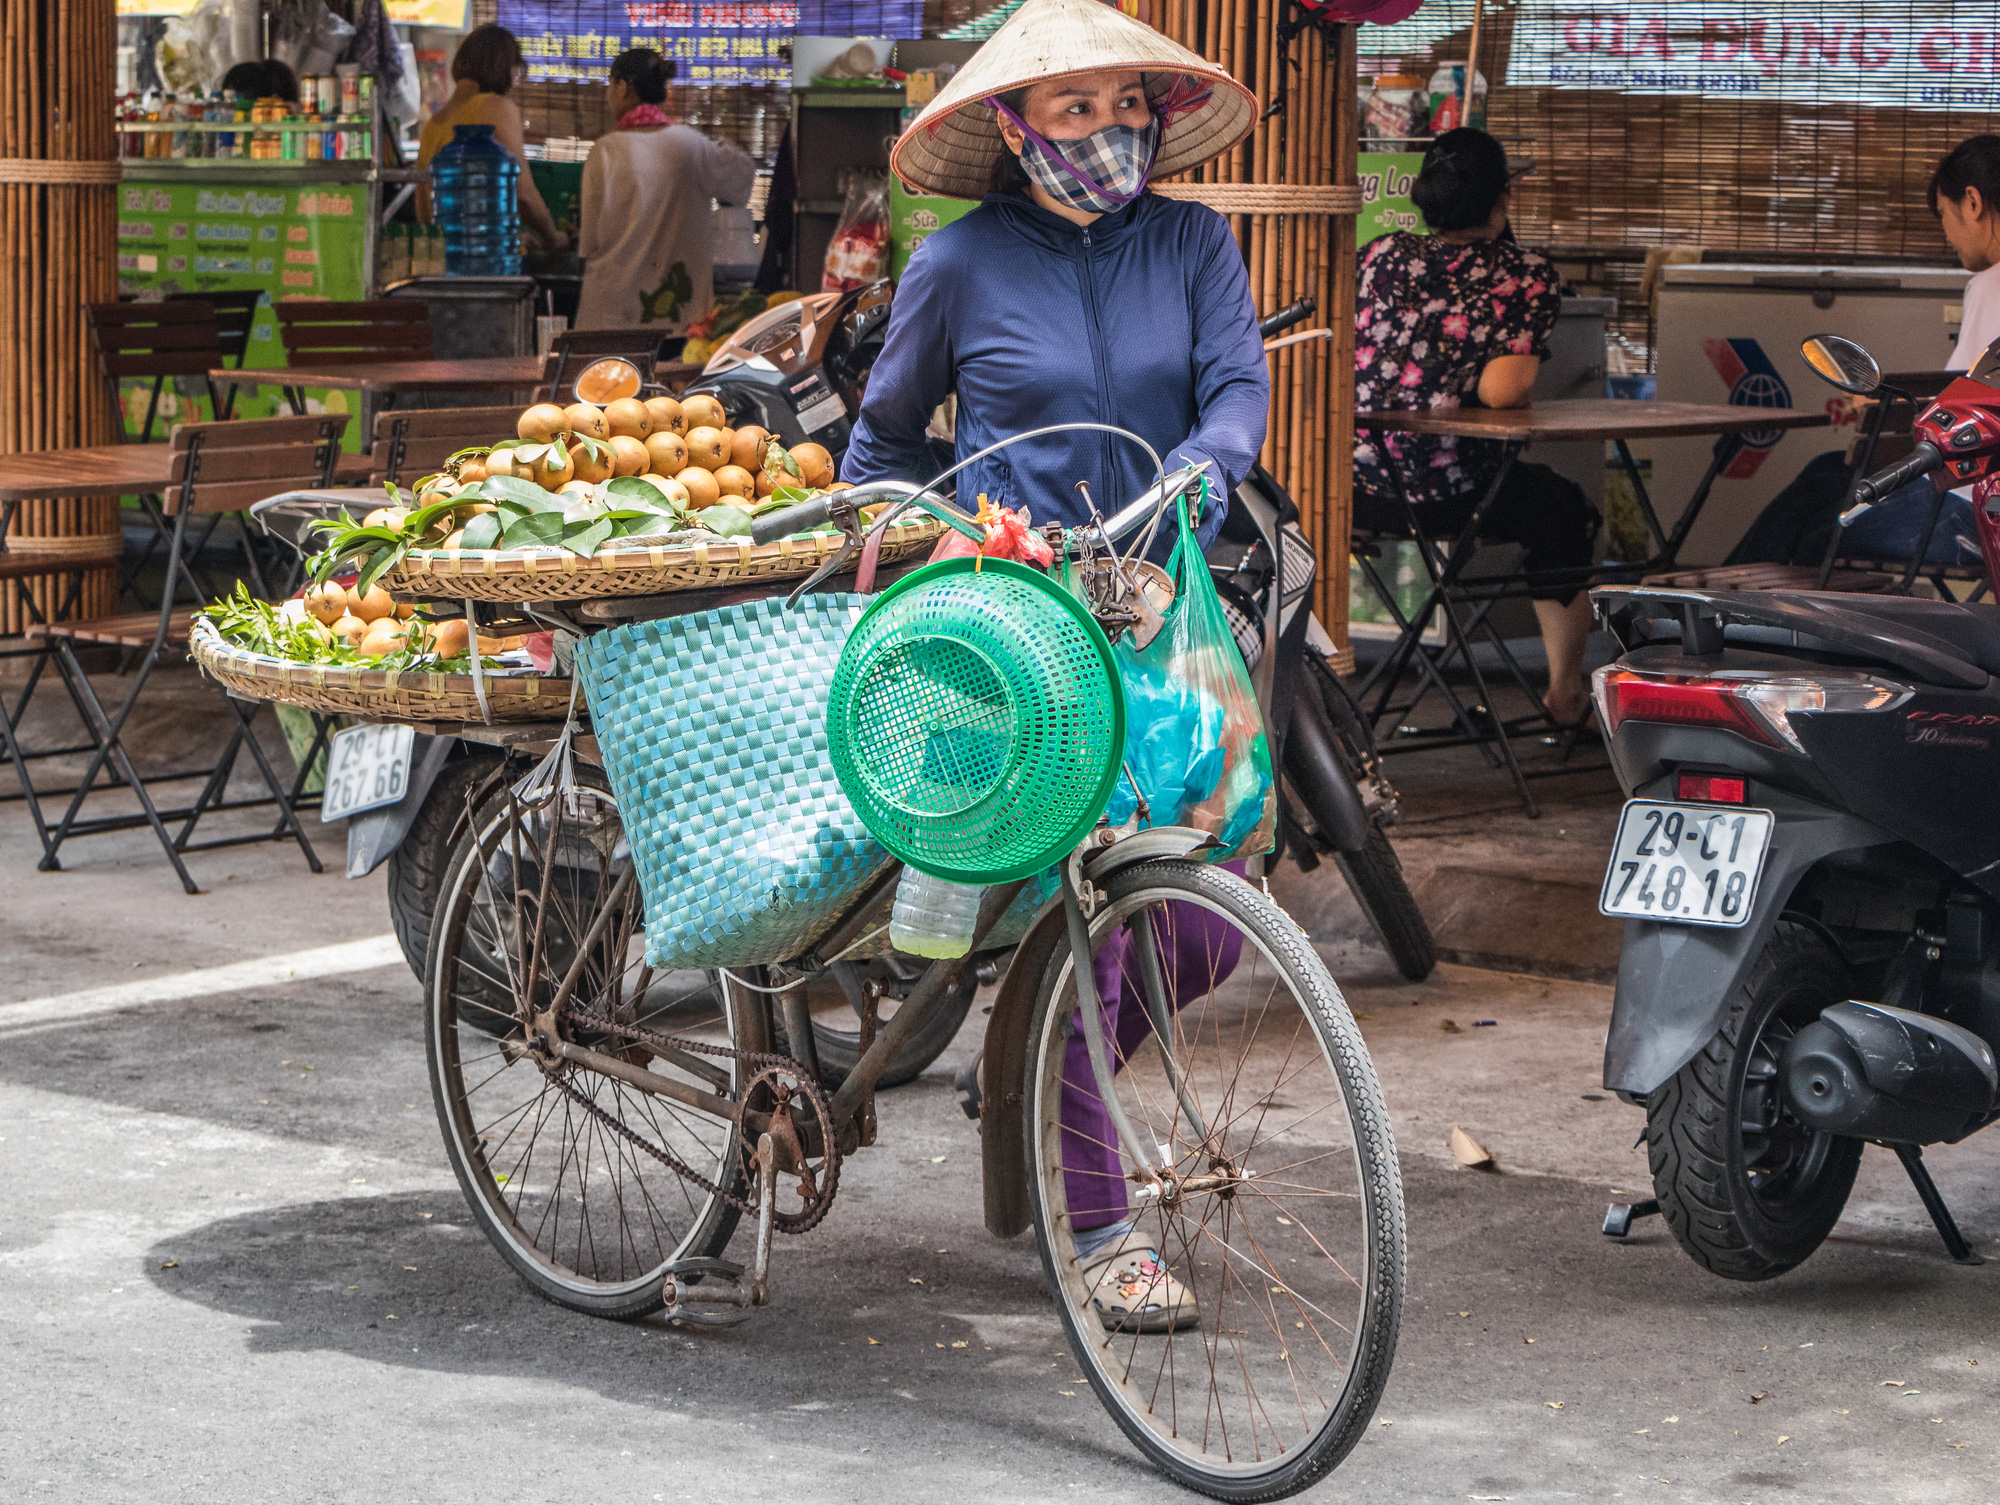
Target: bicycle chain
784,1222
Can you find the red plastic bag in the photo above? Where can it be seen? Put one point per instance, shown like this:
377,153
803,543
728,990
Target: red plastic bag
859,252
1009,535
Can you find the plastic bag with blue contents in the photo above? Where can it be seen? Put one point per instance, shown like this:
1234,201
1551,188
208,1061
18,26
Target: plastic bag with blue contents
1194,737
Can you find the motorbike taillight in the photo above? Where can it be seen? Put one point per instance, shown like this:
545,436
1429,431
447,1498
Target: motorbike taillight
1623,696
1752,705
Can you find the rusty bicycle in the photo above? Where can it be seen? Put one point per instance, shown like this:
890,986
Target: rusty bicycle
1200,1090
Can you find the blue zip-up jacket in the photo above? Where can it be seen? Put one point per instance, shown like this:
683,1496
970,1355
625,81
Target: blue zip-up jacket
1142,318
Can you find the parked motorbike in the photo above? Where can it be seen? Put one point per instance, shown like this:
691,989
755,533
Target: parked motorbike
1335,798
1812,903
799,369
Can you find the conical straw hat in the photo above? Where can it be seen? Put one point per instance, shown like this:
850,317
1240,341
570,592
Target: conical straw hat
953,146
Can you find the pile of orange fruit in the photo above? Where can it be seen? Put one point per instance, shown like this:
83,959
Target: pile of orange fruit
683,446
376,626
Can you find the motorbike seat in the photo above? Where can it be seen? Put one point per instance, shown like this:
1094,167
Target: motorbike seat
1971,632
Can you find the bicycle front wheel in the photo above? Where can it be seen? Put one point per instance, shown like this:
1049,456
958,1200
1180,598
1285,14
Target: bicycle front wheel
1243,1330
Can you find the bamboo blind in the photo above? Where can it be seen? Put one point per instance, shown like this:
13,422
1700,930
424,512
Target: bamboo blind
1833,181
58,209
1309,446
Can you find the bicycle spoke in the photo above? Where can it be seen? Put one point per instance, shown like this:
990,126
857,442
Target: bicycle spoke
1250,1376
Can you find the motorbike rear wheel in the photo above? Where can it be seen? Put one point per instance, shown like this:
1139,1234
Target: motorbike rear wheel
1320,749
1747,1189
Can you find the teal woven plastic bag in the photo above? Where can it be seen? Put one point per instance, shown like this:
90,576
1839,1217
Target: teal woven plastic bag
713,733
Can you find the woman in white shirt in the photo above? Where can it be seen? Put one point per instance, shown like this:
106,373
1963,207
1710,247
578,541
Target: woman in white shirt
646,207
1965,196
1796,524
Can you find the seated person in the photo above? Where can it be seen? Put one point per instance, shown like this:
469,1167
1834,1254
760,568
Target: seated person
1796,524
261,78
1461,316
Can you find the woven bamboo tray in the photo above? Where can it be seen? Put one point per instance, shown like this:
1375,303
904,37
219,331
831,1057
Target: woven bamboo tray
656,569
375,694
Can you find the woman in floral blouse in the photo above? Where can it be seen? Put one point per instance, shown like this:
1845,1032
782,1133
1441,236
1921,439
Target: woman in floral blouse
1453,318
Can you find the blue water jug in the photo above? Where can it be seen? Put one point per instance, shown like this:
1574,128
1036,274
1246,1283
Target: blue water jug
474,200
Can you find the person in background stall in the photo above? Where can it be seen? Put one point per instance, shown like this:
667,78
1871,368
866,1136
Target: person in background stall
1797,524
484,69
1460,317
645,229
261,78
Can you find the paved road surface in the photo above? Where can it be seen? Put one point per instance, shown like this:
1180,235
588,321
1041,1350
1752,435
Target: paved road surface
236,1268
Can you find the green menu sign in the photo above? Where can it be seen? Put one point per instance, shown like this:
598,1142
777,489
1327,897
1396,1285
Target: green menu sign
283,240
1385,195
913,216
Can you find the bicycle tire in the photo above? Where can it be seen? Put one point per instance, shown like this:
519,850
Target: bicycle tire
417,866
520,1199
1374,1243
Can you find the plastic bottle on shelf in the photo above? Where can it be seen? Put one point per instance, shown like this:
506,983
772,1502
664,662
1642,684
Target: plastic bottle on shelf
932,917
474,183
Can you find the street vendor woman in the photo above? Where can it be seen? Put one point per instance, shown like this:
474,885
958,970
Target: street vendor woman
1073,294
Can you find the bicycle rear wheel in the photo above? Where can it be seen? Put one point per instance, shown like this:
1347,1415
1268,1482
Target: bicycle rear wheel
1284,1218
587,1215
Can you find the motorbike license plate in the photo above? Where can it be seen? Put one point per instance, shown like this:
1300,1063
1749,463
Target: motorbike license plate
822,410
366,767
1686,864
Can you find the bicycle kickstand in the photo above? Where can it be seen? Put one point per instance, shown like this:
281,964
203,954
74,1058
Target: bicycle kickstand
723,1292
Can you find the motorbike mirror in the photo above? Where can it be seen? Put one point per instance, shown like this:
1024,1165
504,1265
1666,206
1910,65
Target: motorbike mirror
1987,369
1843,363
608,380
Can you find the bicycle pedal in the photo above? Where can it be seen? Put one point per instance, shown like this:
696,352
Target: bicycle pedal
721,1299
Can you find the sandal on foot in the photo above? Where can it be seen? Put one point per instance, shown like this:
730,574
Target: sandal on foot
1133,1290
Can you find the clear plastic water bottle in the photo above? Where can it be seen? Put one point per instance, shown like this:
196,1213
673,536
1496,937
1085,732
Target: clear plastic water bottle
474,186
932,917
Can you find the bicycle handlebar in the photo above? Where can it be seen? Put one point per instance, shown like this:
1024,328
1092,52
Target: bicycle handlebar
1285,318
816,511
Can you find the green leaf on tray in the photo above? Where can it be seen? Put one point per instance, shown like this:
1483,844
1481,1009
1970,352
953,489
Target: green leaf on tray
543,528
730,521
526,494
585,540
482,532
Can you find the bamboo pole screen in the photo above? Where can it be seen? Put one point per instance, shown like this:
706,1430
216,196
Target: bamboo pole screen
58,210
1297,235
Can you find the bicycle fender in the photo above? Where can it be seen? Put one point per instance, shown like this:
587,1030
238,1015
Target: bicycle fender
1003,1136
1677,983
374,834
1156,841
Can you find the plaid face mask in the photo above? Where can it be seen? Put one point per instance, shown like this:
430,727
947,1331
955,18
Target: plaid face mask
1102,172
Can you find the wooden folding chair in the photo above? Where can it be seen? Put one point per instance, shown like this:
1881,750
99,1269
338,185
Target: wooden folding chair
178,338
235,317
159,340
351,334
575,349
412,443
72,558
217,468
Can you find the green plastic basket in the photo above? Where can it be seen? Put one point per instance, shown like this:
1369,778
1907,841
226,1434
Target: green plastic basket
976,721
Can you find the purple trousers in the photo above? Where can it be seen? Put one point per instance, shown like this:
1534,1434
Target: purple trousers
1198,949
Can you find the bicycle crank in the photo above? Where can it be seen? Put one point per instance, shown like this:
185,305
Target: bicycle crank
723,1298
